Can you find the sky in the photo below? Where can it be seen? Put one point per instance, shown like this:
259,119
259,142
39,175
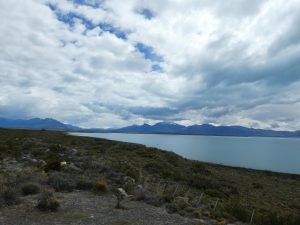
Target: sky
112,63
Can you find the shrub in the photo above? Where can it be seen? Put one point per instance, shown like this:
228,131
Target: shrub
214,193
48,201
172,208
129,187
272,218
257,185
198,167
84,183
101,185
9,197
53,162
128,169
30,188
142,194
201,182
239,212
62,182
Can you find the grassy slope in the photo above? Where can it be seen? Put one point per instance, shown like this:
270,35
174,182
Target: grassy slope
240,191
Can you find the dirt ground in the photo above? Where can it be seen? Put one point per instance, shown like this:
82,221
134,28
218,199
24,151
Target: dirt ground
85,208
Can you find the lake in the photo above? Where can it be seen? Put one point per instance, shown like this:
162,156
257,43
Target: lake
263,153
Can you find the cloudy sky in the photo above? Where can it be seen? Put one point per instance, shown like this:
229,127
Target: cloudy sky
97,63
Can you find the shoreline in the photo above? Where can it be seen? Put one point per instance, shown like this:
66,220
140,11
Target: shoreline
265,171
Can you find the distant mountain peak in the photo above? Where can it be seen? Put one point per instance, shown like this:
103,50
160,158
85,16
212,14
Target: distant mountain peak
205,129
36,123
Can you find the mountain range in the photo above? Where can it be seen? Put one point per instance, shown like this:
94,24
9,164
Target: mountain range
205,129
159,128
36,123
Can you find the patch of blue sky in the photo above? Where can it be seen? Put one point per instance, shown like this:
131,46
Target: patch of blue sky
70,19
113,30
147,13
148,52
91,3
156,68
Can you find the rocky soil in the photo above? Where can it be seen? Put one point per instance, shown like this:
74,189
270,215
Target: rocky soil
86,208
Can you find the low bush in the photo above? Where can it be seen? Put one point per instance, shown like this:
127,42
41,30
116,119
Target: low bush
101,185
30,188
84,183
53,162
198,167
214,193
9,196
240,212
62,182
257,185
47,201
201,182
129,188
142,194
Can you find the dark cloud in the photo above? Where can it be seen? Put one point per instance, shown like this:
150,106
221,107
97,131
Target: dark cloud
111,63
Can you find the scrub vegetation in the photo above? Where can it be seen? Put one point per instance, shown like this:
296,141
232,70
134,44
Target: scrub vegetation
48,165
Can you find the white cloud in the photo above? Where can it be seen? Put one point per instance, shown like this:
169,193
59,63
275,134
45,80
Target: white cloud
227,62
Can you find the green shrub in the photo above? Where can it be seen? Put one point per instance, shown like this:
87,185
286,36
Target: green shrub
271,218
128,169
214,193
142,194
293,219
84,183
240,212
257,185
48,202
172,208
201,182
198,167
53,162
9,196
129,187
164,169
57,148
30,188
62,182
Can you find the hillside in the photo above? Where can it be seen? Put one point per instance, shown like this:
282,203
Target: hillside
36,123
48,177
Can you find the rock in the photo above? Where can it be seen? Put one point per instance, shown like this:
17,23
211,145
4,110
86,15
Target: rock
122,192
41,163
63,163
33,160
128,179
71,168
201,221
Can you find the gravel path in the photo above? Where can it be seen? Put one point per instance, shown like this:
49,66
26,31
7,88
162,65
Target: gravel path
85,208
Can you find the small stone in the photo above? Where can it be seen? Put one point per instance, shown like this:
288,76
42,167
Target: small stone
122,192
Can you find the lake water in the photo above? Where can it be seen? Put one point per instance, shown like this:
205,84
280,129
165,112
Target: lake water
274,154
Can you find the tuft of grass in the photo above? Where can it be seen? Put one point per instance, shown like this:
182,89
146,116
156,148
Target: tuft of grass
9,196
48,202
30,188
84,183
62,182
